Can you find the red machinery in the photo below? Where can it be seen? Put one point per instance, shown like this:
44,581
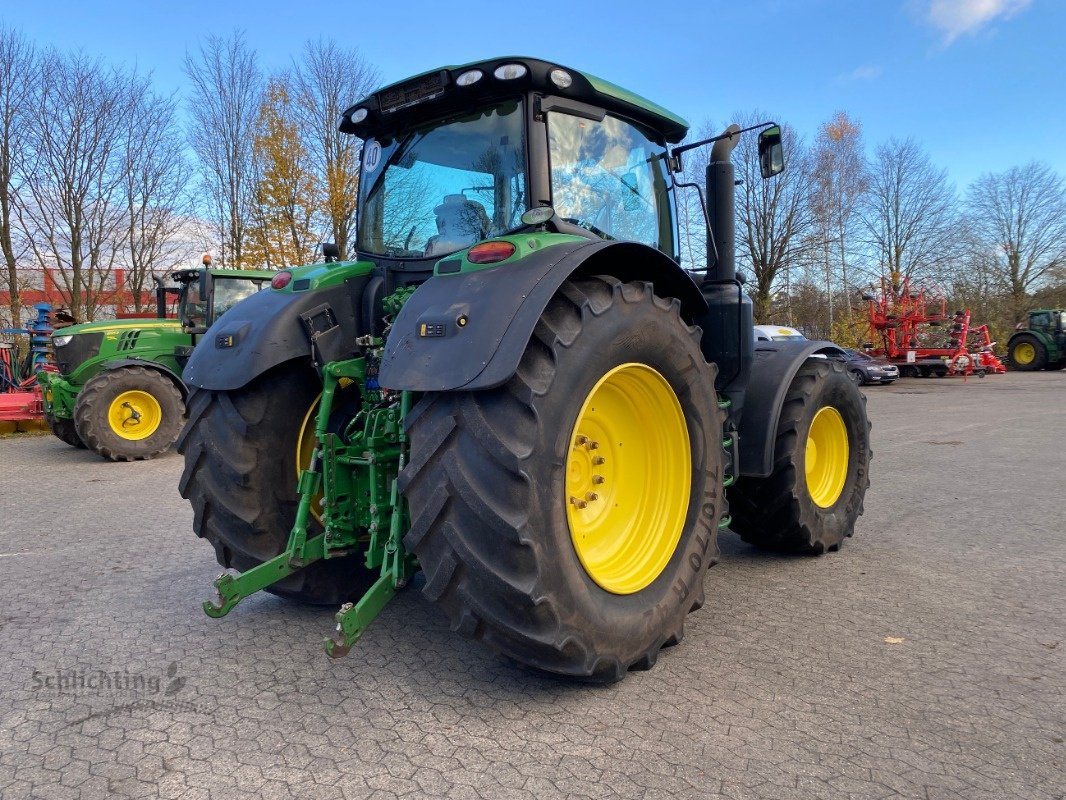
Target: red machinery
20,394
911,328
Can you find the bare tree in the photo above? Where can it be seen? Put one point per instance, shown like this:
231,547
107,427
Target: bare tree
75,219
226,91
326,81
1019,221
774,215
909,213
155,182
840,182
18,88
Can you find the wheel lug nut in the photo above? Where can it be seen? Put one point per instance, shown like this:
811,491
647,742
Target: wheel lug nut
599,460
598,479
582,439
592,496
594,445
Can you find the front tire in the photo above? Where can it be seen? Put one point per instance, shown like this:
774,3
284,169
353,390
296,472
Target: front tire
814,495
129,414
523,545
240,475
63,429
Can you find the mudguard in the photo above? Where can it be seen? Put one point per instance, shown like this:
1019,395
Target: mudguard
140,362
265,330
776,364
469,330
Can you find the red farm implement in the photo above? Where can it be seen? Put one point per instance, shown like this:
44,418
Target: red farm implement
914,330
20,395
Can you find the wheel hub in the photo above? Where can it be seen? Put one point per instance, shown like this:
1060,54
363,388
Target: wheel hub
134,415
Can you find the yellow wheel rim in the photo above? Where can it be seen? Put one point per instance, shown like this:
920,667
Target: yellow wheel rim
826,457
305,446
1024,353
134,415
628,478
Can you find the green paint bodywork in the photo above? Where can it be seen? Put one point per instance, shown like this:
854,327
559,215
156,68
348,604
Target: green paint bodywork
153,340
324,275
525,244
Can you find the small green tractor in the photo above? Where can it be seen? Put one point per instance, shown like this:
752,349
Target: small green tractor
515,387
118,390
1041,344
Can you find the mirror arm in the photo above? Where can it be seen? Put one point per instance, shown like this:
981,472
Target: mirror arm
676,151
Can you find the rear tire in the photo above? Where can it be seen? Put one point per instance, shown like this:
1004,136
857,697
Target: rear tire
240,476
1026,353
109,426
492,472
779,512
63,429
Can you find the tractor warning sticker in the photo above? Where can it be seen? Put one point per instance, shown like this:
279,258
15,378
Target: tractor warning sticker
371,156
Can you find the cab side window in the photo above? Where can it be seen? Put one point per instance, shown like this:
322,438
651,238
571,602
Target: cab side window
609,177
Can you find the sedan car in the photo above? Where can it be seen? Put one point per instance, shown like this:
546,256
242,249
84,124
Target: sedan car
865,369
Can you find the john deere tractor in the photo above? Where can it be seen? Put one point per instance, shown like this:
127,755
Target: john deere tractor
1041,344
119,390
515,387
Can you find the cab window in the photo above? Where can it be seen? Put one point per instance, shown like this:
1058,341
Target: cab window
230,291
609,177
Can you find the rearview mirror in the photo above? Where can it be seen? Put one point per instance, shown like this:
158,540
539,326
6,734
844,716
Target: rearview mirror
771,152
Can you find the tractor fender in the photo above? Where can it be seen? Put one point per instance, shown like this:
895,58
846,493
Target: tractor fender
775,366
468,331
267,329
140,362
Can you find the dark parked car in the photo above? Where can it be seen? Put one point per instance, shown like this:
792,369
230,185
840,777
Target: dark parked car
865,369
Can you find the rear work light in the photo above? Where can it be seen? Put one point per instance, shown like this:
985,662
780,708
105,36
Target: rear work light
468,78
490,252
281,280
508,72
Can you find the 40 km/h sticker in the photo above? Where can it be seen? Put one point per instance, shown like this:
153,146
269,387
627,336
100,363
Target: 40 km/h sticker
371,156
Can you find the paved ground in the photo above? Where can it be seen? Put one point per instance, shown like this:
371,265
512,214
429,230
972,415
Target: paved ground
925,660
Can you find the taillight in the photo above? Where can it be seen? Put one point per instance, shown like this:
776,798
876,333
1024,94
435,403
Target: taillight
281,280
490,252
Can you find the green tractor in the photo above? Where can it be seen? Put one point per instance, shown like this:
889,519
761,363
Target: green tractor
515,387
1041,344
119,390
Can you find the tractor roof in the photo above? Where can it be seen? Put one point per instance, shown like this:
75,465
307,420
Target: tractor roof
436,92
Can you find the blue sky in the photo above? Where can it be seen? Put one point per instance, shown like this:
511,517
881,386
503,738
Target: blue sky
981,84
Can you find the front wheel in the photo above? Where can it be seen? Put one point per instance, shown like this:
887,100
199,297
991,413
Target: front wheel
63,429
814,495
129,414
567,518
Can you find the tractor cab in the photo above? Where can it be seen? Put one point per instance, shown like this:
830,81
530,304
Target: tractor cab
207,294
1052,321
458,156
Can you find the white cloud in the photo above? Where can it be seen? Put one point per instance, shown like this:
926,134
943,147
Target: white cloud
866,72
958,17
